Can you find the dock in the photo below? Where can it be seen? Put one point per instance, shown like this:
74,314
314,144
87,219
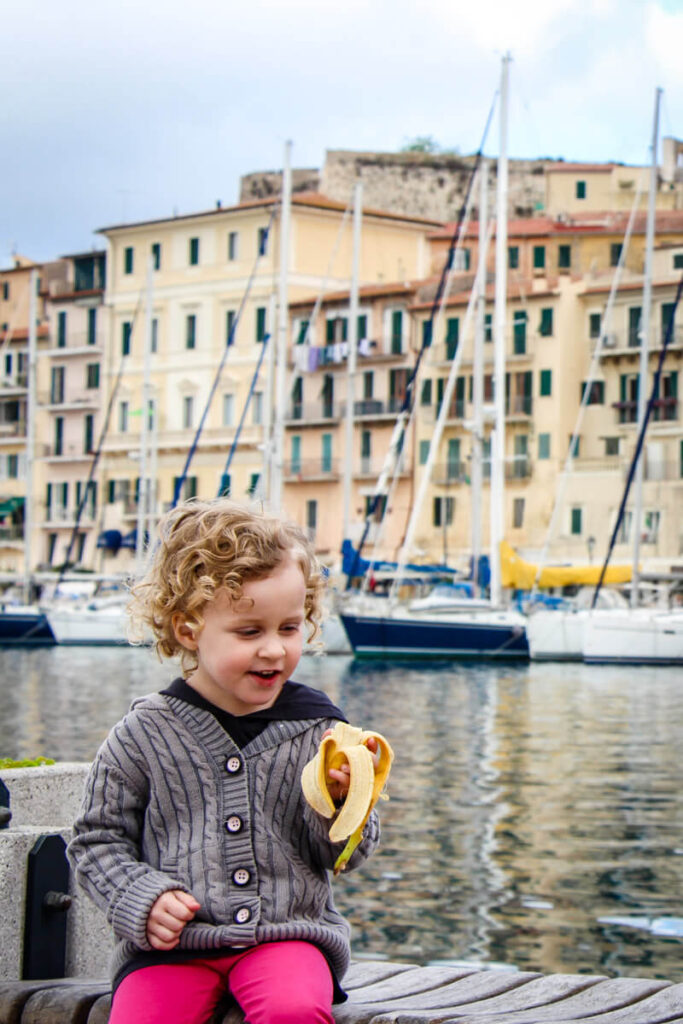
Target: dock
381,992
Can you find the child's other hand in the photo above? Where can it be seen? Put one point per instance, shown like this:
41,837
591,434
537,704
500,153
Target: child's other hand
168,916
341,777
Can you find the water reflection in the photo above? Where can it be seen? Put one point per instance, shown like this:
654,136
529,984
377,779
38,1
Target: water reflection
534,809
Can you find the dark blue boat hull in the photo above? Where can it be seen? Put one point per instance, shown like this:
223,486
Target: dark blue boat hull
25,629
376,637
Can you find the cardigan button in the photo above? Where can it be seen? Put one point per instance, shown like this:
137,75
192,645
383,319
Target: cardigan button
241,876
233,764
234,823
242,915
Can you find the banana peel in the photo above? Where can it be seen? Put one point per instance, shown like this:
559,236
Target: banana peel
347,744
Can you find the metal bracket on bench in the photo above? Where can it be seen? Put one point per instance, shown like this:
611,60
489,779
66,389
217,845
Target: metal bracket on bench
5,813
47,897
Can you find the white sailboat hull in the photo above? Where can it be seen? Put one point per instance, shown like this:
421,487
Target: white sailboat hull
89,626
557,634
640,636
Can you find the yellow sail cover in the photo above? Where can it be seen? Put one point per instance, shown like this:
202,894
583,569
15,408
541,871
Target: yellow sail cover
520,575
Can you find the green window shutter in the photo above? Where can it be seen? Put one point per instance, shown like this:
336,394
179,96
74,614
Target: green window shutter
92,326
615,253
544,446
564,257
362,326
128,259
126,328
546,325
513,257
539,257
426,333
191,331
296,453
156,255
488,327
260,323
581,190
61,330
519,333
424,454
303,331
546,383
326,453
668,309
194,252
230,327
594,322
224,487
678,261
452,334
397,331
426,392
576,521
329,330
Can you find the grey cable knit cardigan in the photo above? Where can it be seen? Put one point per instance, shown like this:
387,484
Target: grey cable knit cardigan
172,803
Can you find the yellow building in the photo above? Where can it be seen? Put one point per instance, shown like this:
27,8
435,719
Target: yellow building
201,267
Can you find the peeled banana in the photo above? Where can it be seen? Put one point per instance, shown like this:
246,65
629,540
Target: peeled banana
347,744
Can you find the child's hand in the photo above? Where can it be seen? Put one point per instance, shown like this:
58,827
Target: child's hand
168,916
340,777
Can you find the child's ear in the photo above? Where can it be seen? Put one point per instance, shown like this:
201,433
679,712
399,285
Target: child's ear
186,633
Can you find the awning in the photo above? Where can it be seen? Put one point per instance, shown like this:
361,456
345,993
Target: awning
110,539
130,540
10,505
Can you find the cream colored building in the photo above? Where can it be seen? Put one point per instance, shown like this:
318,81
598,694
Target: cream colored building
202,265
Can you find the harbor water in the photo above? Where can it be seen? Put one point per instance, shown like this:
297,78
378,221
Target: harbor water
535,814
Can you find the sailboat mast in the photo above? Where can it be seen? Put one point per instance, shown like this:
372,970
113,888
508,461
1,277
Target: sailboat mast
476,476
645,347
283,314
32,383
499,312
353,351
144,486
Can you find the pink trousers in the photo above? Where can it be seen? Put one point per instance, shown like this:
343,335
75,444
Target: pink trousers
276,983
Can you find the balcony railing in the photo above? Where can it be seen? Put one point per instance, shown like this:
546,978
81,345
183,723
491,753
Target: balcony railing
630,340
9,533
16,382
518,467
77,343
65,451
13,428
67,514
313,412
451,472
312,469
519,405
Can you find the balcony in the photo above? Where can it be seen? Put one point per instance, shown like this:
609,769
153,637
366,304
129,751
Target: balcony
12,430
10,534
452,472
627,343
371,468
456,411
300,470
63,514
517,467
89,399
18,383
314,413
65,452
519,406
78,343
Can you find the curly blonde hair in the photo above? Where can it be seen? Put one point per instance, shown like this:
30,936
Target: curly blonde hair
207,546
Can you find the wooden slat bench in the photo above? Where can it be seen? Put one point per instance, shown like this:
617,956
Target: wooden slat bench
391,993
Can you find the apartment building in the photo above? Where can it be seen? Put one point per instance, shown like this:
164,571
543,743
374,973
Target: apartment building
70,407
178,288
14,383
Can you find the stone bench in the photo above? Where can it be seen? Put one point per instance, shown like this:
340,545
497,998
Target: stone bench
396,993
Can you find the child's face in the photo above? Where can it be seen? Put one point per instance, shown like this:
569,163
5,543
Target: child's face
247,649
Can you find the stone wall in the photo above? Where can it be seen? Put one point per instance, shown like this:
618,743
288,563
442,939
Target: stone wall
264,184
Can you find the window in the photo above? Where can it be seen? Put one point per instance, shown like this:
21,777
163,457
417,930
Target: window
581,190
188,411
611,446
594,324
260,323
513,257
303,331
575,523
462,259
224,486
154,340
546,383
51,545
194,252
488,327
92,375
678,261
128,259
156,255
424,453
126,329
88,433
615,253
253,483
452,332
426,392
92,326
453,464
596,393
634,315
191,330
375,505
188,489
426,333
57,385
123,417
232,245
59,435
61,330
230,327
5,290
262,241
544,446
444,509
545,328
564,257
368,385
539,257
518,513
13,466
362,326
257,408
519,332
228,410
297,410
311,518
668,310
295,450
396,331
326,453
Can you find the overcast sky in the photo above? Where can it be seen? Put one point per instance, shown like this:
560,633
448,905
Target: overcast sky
138,109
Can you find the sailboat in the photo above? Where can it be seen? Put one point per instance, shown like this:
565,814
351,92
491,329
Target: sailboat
467,628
